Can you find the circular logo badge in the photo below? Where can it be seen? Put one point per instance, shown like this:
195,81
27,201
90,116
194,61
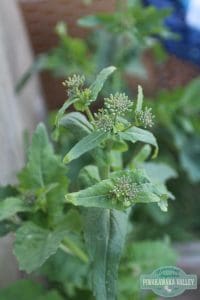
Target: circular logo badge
168,281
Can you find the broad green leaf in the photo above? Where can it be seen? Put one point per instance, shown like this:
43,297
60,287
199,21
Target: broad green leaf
34,245
77,121
11,206
139,99
88,143
67,270
99,195
62,110
94,196
105,242
44,176
97,86
43,165
38,243
135,134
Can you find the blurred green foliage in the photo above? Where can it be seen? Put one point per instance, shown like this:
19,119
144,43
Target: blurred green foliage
178,131
118,38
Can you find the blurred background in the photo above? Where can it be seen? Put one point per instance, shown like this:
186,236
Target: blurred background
152,43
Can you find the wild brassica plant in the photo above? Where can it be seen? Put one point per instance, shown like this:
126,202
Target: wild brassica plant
86,218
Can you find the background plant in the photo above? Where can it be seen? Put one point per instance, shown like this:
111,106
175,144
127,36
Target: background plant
118,38
177,114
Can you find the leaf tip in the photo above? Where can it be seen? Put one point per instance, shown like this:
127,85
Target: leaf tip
66,159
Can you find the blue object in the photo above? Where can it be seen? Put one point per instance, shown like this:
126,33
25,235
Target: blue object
185,21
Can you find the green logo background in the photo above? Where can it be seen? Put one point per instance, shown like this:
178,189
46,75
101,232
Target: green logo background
168,281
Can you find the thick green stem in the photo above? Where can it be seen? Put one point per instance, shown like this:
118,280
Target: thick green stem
89,114
105,171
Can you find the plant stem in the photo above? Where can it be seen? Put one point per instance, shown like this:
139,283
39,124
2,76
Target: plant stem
105,169
69,247
89,114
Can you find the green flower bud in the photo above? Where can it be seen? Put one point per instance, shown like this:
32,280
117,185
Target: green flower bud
74,83
103,121
125,190
145,117
118,104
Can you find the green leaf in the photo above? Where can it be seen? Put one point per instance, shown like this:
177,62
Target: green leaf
108,236
7,191
99,195
97,86
159,172
88,143
88,176
191,93
27,289
7,227
40,243
190,157
77,121
67,270
140,98
34,245
62,110
23,290
94,196
135,134
11,206
44,176
141,156
119,145
88,21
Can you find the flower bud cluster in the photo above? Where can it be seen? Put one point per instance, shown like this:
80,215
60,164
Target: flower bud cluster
74,83
103,121
125,190
118,104
145,117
